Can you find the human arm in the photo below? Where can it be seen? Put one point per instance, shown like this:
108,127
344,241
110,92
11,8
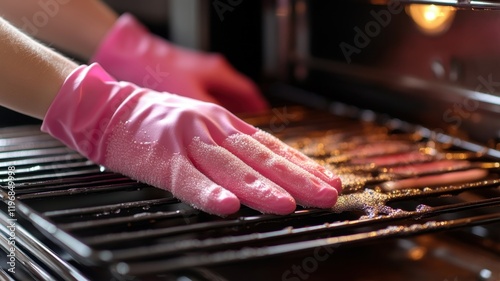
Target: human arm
128,51
31,74
74,26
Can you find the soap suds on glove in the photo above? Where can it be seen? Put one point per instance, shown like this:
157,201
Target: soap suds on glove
298,158
151,163
307,189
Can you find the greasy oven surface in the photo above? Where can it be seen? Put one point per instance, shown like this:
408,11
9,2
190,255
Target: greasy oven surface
417,205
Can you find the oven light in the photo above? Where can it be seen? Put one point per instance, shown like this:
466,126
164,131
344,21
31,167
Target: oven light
431,19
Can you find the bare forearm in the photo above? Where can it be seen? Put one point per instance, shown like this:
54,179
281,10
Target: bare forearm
76,26
31,74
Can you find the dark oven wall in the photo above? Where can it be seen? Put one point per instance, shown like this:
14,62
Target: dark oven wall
378,57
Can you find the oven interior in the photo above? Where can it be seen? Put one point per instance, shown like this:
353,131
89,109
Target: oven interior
407,120
90,223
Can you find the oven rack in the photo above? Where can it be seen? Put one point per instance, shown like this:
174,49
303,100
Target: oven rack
105,219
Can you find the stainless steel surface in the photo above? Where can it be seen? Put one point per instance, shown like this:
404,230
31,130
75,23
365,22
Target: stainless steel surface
189,23
276,33
42,253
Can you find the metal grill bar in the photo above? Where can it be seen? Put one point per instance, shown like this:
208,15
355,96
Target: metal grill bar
225,242
107,239
109,208
35,270
5,276
104,218
44,254
44,160
80,190
34,153
50,167
151,267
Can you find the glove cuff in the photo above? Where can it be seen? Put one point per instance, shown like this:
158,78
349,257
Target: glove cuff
79,114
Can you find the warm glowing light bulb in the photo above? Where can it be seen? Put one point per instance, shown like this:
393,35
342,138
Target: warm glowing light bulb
431,19
431,13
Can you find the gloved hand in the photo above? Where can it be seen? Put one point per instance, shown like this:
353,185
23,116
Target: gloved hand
130,53
199,151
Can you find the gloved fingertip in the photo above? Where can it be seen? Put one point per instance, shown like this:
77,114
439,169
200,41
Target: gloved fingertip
328,177
326,197
283,205
323,174
225,203
320,194
336,183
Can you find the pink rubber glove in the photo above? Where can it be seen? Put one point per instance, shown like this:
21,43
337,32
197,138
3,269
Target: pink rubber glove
131,53
199,151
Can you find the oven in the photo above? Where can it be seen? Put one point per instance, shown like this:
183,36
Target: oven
397,98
